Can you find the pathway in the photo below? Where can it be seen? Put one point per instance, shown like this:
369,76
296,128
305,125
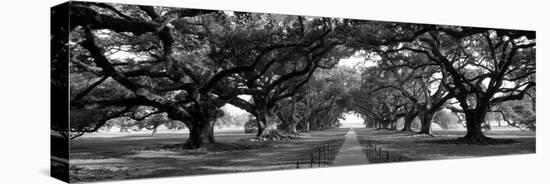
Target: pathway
351,152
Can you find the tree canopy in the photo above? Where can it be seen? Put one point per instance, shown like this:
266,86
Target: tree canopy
155,65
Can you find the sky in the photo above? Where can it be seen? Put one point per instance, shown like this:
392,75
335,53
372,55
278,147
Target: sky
351,120
355,60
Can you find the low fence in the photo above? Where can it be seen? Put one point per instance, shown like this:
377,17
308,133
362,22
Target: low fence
320,156
375,153
324,155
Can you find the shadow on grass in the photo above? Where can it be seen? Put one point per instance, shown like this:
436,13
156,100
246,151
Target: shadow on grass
445,145
493,141
216,147
99,159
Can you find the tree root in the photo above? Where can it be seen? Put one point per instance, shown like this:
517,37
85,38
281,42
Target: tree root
420,134
274,135
209,147
188,145
476,140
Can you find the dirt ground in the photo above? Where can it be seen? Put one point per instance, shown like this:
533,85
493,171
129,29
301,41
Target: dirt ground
442,146
132,156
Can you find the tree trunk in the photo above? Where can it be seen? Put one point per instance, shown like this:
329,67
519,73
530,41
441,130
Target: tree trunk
368,124
289,121
154,131
313,123
307,121
474,133
267,129
201,132
426,123
260,123
124,129
388,125
293,121
407,122
292,129
393,126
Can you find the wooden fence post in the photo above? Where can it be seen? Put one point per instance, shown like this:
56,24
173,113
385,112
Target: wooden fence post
380,154
368,153
330,155
334,151
325,154
374,154
311,160
319,158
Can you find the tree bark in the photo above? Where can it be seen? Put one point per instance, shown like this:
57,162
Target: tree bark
202,132
289,120
409,118
385,124
313,122
293,121
426,122
267,129
124,129
393,127
260,122
307,120
474,133
154,131
292,130
368,124
201,129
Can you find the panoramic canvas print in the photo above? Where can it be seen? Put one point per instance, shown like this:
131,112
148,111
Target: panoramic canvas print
141,91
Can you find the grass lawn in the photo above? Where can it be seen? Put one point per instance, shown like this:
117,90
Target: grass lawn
442,147
115,156
130,156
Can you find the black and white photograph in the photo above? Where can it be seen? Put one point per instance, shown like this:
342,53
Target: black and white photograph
141,92
163,91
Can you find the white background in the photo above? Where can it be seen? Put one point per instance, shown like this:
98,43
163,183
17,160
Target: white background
24,70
